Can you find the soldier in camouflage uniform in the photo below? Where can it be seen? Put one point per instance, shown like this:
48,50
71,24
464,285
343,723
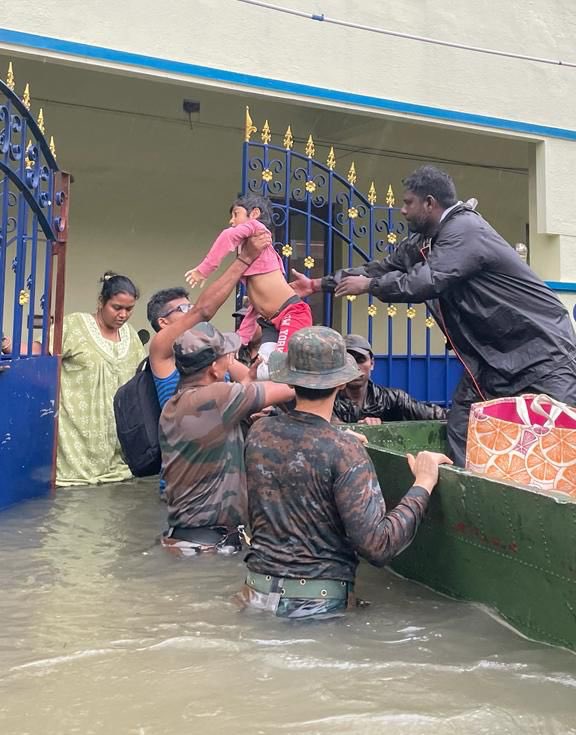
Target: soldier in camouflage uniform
203,446
314,503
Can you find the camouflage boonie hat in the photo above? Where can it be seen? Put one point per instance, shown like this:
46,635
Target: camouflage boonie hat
200,346
316,358
359,344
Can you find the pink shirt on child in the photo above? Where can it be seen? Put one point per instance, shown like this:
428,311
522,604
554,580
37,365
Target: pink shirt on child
231,239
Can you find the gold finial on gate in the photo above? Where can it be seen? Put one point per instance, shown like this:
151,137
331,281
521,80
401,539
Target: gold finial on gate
310,150
10,82
390,201
41,121
372,194
26,97
352,174
28,161
331,160
288,141
266,134
52,146
249,126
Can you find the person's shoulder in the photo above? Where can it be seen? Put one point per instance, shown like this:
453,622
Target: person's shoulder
76,316
265,425
78,322
281,423
463,218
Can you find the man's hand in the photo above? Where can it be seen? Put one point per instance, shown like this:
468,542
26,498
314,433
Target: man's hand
370,421
255,245
253,370
424,467
302,285
264,413
6,345
352,286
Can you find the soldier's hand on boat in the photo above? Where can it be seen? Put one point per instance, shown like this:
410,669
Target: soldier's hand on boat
253,246
352,286
193,278
370,421
302,285
424,467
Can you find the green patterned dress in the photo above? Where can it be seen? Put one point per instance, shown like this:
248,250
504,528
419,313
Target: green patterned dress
93,368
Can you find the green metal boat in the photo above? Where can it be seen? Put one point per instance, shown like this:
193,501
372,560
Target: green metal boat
509,547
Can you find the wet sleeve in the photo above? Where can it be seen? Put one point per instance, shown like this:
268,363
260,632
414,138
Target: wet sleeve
227,241
452,259
372,269
242,402
394,261
376,535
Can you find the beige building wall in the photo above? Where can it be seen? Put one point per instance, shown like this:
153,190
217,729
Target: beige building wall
151,191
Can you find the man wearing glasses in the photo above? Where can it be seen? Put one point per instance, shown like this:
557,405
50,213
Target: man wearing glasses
165,308
170,314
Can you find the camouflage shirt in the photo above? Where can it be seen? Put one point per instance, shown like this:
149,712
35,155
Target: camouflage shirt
203,453
314,502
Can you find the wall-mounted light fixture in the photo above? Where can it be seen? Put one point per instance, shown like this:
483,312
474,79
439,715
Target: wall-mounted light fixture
191,107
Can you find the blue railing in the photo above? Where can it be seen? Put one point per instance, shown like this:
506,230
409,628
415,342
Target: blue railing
27,232
314,205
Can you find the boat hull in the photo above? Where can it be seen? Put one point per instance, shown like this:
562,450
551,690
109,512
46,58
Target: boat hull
509,547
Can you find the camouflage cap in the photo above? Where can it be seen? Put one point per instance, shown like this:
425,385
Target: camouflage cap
359,344
200,346
316,358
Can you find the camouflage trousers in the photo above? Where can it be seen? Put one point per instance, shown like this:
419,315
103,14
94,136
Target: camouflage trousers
296,598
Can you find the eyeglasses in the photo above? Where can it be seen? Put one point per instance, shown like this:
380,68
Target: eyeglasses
184,308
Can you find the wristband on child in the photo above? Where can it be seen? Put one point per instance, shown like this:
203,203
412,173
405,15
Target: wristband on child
243,261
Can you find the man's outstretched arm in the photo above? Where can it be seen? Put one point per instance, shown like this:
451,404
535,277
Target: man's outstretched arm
161,346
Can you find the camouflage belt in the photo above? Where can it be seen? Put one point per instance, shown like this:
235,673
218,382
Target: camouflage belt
308,589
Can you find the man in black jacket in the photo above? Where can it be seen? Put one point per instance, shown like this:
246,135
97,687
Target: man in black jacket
362,401
509,330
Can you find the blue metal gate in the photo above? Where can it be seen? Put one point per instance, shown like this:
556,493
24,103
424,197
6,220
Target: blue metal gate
323,222
33,232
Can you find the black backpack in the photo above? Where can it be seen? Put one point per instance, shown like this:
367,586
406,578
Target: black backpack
137,412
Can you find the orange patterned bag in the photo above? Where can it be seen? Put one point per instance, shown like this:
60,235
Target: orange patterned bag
526,440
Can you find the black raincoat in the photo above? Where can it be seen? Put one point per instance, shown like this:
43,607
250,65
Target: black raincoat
509,329
386,404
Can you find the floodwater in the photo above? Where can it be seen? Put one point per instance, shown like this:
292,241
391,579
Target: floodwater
101,631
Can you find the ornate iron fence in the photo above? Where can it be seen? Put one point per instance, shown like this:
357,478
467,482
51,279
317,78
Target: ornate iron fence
33,232
33,227
323,222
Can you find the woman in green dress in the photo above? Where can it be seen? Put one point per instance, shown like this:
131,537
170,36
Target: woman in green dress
100,352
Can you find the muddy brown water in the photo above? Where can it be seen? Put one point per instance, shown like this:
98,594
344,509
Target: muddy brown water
101,631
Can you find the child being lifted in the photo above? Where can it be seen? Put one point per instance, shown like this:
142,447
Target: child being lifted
268,291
